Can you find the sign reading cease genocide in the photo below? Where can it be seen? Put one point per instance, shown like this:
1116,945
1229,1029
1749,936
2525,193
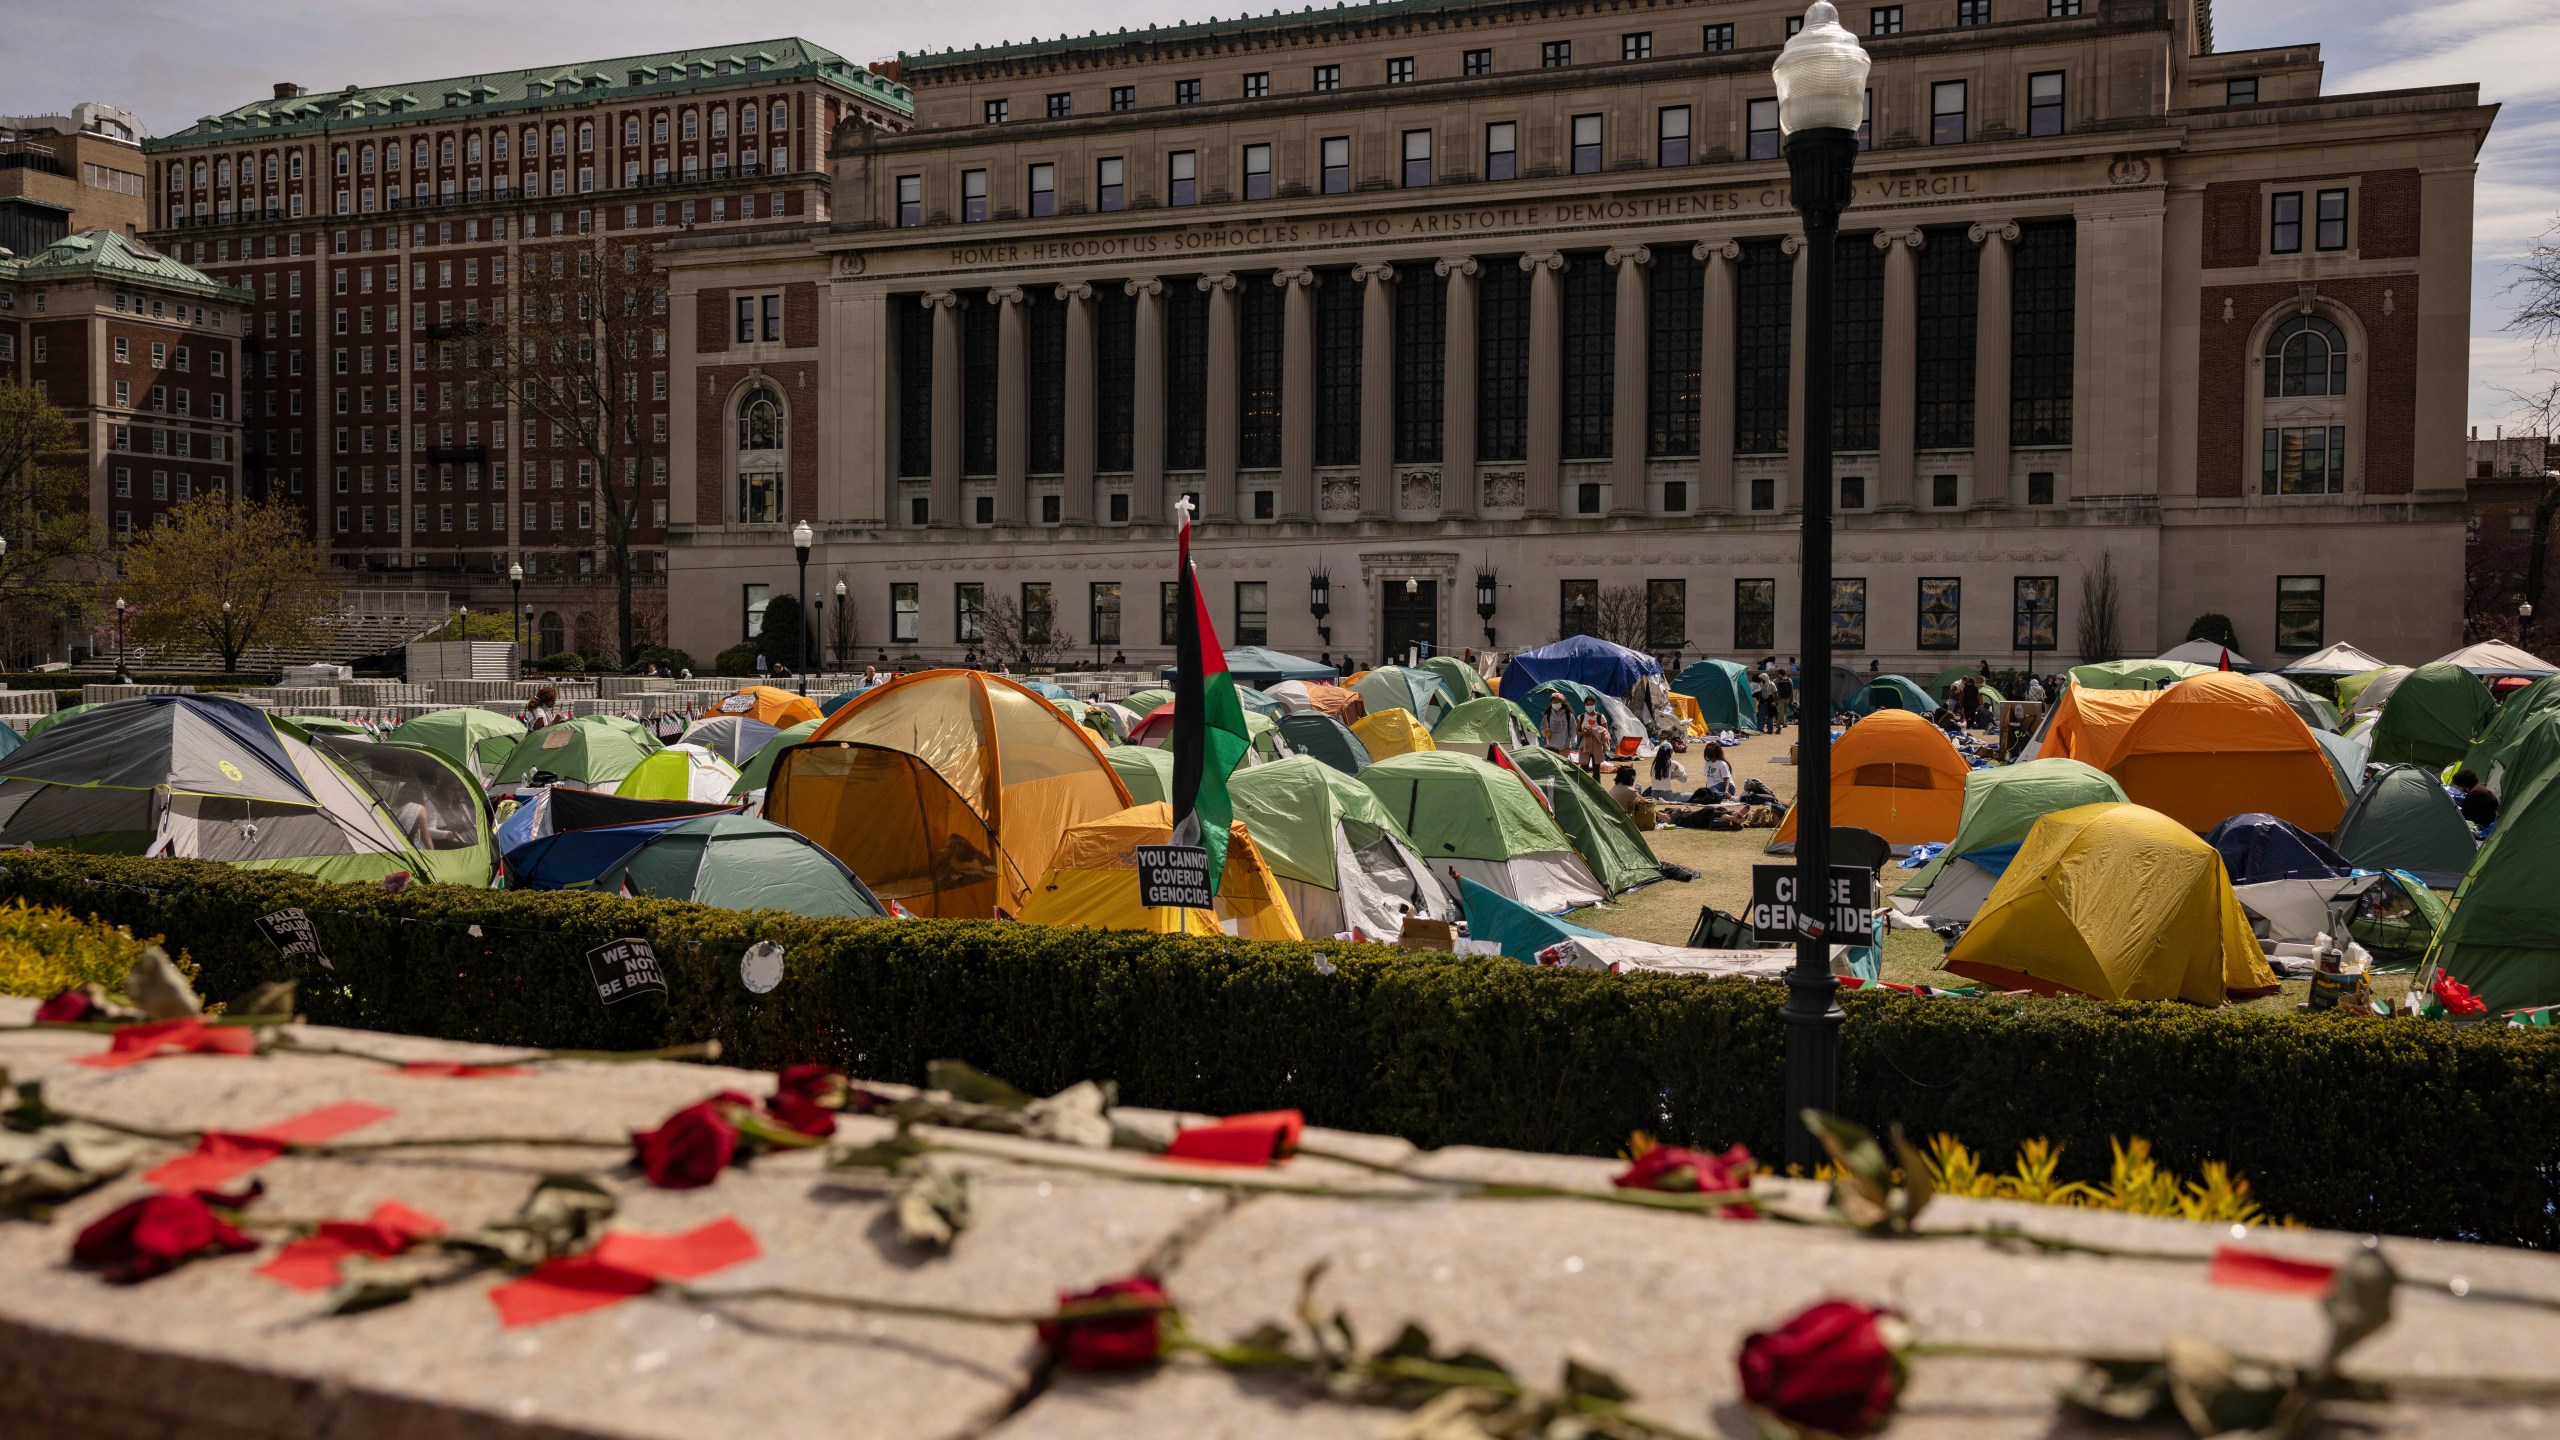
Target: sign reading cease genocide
1852,919
1174,877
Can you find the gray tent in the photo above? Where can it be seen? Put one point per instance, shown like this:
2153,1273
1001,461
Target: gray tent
734,738
1315,733
2317,713
2404,820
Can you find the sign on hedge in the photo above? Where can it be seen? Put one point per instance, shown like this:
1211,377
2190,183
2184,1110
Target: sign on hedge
1852,921
294,936
624,968
1174,877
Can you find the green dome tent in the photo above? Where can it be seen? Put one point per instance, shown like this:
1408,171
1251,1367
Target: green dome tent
1312,732
1891,692
1144,702
1470,819
2403,820
1723,692
1603,834
2516,714
2430,718
1397,687
1148,772
1459,682
758,770
436,803
591,750
2501,936
1485,721
476,739
2000,806
738,862
2369,690
1341,859
2134,674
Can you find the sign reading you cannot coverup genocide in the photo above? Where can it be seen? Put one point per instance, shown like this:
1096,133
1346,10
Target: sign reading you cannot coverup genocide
1174,877
1852,919
624,968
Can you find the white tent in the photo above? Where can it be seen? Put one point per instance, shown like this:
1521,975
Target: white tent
2496,657
2338,659
2205,652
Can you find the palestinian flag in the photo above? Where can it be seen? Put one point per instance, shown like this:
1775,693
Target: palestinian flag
1209,738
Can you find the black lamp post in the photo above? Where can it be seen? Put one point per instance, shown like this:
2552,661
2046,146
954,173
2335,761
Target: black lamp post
801,535
122,678
1822,80
515,582
1488,599
1319,591
843,623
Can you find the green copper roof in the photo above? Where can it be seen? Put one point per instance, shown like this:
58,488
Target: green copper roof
508,90
1244,23
116,256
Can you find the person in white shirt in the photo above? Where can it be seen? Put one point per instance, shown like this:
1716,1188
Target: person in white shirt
2035,690
1715,776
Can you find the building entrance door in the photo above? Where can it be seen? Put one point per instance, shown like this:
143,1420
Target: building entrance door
1412,620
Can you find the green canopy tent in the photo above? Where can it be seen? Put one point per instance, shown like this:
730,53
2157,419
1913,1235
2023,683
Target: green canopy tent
2317,713
47,722
1459,682
1471,820
436,802
476,739
1399,687
2430,718
2000,806
1723,692
1891,692
738,862
2501,936
2515,714
1312,732
2369,690
1148,772
2403,820
1145,702
758,770
1603,834
592,751
1485,721
2134,674
1340,857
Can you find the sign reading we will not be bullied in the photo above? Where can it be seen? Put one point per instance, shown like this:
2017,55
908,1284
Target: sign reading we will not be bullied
624,968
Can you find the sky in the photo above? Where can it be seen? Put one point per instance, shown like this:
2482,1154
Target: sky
173,60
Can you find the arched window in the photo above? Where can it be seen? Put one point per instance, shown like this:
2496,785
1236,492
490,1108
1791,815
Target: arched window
2306,356
760,457
554,632
781,115
199,174
559,140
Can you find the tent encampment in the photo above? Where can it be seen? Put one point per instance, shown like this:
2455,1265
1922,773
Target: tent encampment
946,790
1723,692
2403,820
1297,697
1312,732
2001,805
1891,692
2431,716
2257,847
2133,674
1893,773
2494,658
476,739
591,752
1092,880
2208,654
1484,722
2218,745
1583,659
2366,692
2338,660
2317,713
2488,752
1148,771
1340,857
2117,902
1157,730
1602,834
771,704
1471,819
1260,668
758,770
1397,687
2501,936
1459,682
734,738
680,772
738,862
1391,732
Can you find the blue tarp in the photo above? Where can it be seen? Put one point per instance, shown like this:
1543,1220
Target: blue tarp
2258,846
1519,930
574,857
1583,659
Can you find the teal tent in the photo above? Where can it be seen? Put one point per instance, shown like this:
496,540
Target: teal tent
1891,692
1723,692
1312,732
1521,932
738,862
2403,820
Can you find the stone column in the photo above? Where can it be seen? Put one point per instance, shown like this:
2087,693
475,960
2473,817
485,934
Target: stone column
1628,390
944,507
1898,407
1146,408
1377,390
1075,505
1991,363
1793,248
1218,492
1297,393
1545,470
1458,490
1013,409
1715,378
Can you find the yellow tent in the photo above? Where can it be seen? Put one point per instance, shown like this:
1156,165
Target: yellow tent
946,791
2116,902
1093,881
1392,732
1690,715
771,704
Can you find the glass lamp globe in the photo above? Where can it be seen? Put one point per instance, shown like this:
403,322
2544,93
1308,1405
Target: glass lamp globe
1822,75
801,535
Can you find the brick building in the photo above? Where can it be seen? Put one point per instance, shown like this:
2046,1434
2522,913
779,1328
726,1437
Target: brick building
1428,300
388,231
61,174
2512,495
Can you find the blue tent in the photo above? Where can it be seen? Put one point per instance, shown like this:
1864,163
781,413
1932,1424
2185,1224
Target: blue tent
1519,930
10,739
1253,665
2258,846
567,837
1583,659
839,700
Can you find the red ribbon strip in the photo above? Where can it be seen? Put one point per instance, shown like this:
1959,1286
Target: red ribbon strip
1260,1138
623,1264
311,1263
222,1156
456,1070
2256,1270
133,1044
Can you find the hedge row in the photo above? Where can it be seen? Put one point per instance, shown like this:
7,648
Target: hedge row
2353,1122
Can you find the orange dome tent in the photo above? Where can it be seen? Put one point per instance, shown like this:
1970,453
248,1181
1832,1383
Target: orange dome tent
770,704
2217,745
1895,774
2088,725
948,791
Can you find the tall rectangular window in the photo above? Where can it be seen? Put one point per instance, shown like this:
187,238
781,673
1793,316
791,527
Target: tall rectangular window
754,598
1949,276
1260,319
1946,112
1973,12
1476,62
1719,37
1253,612
2035,613
906,613
1044,190
2330,217
1328,77
1337,365
1755,615
1637,45
1577,607
1674,332
1110,184
1044,343
2284,225
1849,614
1666,615
2040,331
1400,70
1671,135
1941,613
1857,342
1186,371
1102,615
915,389
1502,150
1169,612
1257,172
1760,133
2044,103
978,327
1417,159
1115,361
2303,460
973,195
1334,164
1884,20
1586,144
1502,362
1039,611
1182,177
1590,356
1764,313
1421,339
968,608
910,200
2301,610
1553,53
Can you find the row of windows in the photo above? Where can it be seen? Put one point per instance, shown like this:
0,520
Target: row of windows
1584,155
444,517
422,154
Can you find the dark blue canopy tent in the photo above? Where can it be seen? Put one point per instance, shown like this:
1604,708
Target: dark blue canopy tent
2258,846
1582,659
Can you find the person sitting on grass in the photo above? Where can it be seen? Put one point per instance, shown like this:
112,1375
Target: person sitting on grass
2480,807
1715,776
1633,801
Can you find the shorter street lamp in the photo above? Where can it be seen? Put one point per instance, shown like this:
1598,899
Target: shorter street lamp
801,536
121,677
515,581
841,623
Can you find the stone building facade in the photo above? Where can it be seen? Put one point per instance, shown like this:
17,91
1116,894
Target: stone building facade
75,171
1472,323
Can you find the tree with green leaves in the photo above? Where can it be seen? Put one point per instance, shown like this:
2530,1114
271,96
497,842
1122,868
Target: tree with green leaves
44,501
228,577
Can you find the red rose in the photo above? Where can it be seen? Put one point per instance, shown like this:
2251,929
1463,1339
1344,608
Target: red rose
806,1098
1113,1339
157,1234
694,1144
1829,1369
2457,997
68,1008
1669,1167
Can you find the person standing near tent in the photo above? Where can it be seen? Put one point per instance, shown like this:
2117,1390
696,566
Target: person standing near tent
2035,691
545,709
1594,745
1559,725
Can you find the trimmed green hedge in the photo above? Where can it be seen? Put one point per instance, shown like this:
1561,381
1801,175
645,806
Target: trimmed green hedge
2359,1123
